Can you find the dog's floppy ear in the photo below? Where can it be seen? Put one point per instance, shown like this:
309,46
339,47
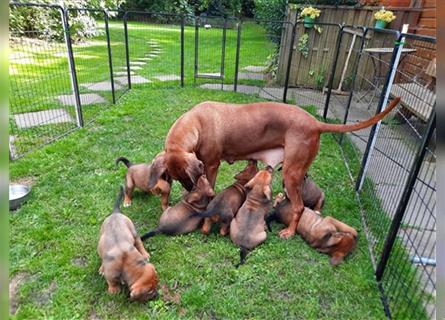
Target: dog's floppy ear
250,184
267,192
194,168
158,168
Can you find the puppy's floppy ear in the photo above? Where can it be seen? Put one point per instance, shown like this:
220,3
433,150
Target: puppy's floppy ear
267,192
250,184
158,168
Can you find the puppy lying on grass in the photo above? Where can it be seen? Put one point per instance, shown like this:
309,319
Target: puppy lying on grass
225,205
124,259
247,229
137,176
182,218
327,235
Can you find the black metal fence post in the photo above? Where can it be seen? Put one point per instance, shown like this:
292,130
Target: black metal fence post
110,59
223,51
397,220
289,61
127,49
72,66
332,75
383,97
238,45
182,49
197,22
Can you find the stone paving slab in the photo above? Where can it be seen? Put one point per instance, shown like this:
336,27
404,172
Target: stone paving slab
167,77
250,76
144,59
152,55
272,93
33,119
212,74
137,63
85,99
229,87
122,73
255,68
12,148
134,80
100,86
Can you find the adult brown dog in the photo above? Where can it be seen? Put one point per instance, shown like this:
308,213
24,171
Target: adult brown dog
226,204
247,229
181,218
326,234
124,259
137,177
313,196
267,131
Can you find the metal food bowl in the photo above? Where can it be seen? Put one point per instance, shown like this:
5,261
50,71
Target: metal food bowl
18,194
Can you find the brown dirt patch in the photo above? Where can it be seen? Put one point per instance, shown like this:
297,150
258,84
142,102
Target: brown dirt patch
80,261
27,181
14,285
44,297
170,296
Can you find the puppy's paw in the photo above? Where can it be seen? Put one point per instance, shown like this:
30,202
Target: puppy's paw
101,270
114,289
146,256
286,233
127,204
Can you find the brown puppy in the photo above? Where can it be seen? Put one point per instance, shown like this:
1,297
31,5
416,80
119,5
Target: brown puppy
124,257
313,196
181,218
137,176
268,131
247,229
327,235
227,203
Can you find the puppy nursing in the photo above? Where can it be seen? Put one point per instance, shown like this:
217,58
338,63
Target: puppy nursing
124,259
226,204
181,218
326,234
137,177
247,229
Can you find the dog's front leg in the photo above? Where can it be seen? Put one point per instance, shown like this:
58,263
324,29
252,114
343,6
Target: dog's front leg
293,181
211,170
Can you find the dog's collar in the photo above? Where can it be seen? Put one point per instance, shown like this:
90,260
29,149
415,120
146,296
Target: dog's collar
238,186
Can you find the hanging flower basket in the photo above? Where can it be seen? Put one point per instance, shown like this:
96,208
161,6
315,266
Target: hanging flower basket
308,22
380,24
309,14
383,17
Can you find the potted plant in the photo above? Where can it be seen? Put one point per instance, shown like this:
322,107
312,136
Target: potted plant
309,14
383,17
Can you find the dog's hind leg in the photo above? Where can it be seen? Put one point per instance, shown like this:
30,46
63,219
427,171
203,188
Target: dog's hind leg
129,188
243,252
140,247
342,227
206,226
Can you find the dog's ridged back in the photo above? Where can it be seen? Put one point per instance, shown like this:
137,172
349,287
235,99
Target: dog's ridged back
117,204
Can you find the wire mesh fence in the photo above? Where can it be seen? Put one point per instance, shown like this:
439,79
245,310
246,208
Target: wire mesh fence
382,162
346,72
39,76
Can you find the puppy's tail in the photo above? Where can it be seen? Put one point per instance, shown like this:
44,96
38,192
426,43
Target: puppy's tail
150,234
118,202
271,217
127,162
243,252
205,214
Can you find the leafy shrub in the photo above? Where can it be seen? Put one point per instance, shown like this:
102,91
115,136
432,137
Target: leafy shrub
46,23
274,12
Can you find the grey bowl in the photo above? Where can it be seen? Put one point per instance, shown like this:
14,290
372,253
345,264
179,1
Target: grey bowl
18,194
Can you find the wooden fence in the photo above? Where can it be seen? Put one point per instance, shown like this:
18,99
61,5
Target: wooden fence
312,71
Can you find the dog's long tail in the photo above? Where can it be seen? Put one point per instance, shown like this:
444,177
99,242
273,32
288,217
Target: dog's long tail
118,202
271,217
127,162
150,234
206,214
328,127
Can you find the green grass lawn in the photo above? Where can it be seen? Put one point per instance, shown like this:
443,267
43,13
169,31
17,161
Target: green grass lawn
53,237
